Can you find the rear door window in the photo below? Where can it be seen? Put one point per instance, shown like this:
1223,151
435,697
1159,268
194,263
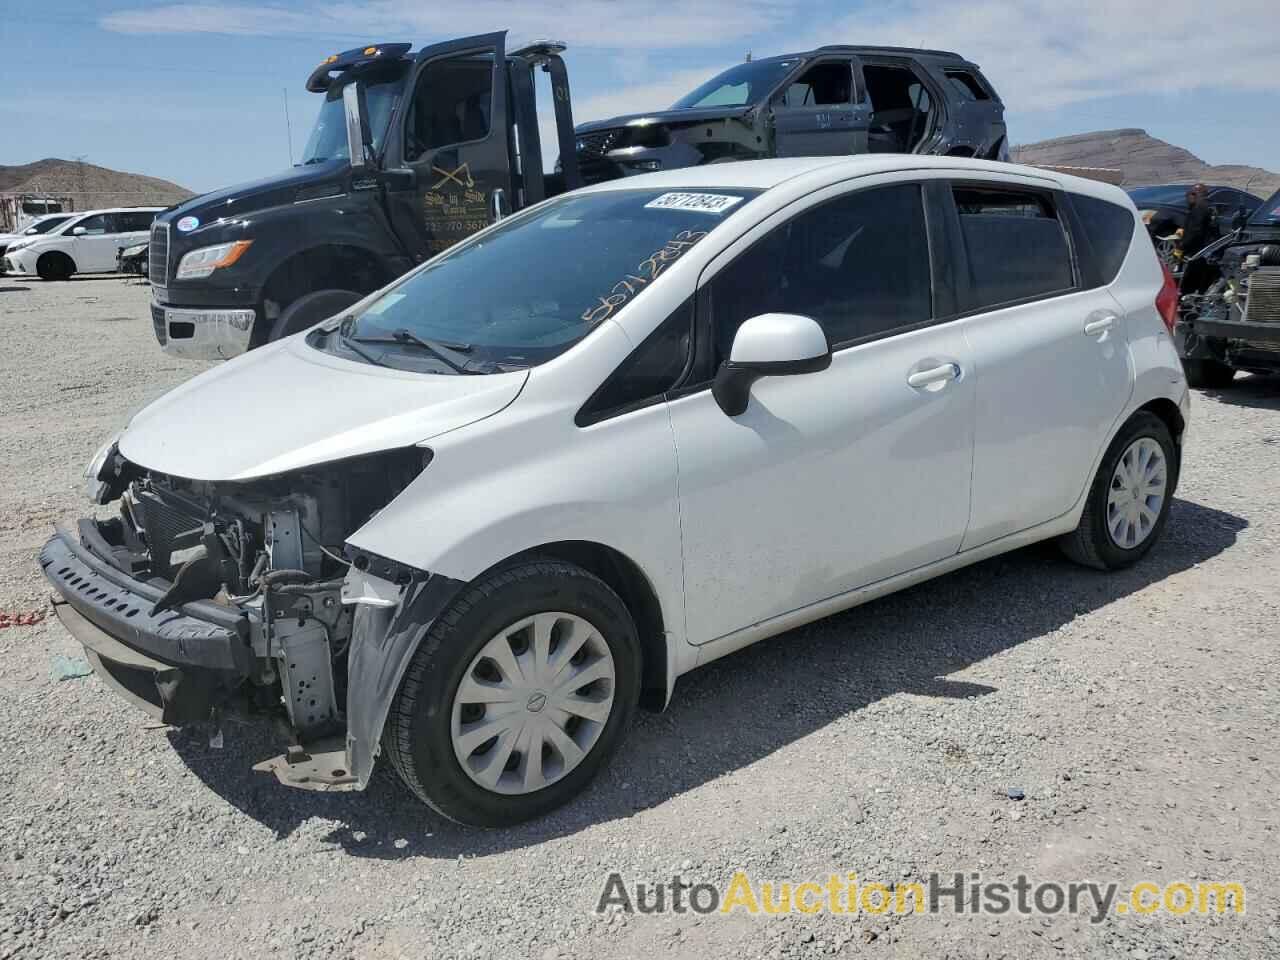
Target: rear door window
1016,245
135,221
1109,229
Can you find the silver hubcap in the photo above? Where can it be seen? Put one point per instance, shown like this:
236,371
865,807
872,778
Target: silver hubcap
1137,493
533,703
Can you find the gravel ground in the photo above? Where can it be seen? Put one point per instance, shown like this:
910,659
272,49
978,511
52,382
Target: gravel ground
1138,712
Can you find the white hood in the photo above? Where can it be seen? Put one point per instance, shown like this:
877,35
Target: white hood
287,406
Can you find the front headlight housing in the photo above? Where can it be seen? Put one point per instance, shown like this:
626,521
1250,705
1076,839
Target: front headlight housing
95,485
19,245
202,262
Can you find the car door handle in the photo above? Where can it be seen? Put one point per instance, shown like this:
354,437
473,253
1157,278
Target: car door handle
925,378
1100,325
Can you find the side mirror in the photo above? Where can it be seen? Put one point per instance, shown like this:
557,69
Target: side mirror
769,345
358,135
79,232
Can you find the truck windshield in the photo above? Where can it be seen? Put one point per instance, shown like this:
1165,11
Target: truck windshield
328,140
738,86
532,288
1268,215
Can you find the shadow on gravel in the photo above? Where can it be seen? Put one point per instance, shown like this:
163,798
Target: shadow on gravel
1251,391
14,289
746,706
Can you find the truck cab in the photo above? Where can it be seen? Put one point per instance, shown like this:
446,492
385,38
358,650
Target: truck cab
410,153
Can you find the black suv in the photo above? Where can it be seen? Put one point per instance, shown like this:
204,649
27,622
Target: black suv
832,101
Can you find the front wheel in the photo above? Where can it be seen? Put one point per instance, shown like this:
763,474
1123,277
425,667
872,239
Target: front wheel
1207,373
310,309
517,696
55,266
1129,499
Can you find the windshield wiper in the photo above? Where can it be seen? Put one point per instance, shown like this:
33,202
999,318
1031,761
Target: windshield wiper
404,337
351,344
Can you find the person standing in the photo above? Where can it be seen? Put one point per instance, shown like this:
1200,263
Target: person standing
1200,230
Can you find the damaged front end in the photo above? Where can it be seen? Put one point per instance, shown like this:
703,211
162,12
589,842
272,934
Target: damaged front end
203,597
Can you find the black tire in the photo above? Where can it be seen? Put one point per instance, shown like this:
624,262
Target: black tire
309,309
417,737
54,266
1208,374
1090,543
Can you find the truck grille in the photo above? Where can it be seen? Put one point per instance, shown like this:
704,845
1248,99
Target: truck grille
158,255
593,146
594,166
1263,303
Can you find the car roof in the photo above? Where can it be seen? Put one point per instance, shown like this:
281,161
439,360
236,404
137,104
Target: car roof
766,174
85,213
921,52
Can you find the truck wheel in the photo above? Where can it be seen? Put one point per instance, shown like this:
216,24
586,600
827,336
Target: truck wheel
309,309
1129,499
55,266
1207,373
517,695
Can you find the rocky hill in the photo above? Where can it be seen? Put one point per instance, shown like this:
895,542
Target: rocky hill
89,185
1144,159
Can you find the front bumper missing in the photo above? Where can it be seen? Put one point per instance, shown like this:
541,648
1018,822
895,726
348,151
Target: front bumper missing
177,665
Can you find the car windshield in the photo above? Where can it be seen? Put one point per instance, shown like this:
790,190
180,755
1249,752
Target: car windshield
1173,194
45,224
328,139
532,288
738,86
1268,215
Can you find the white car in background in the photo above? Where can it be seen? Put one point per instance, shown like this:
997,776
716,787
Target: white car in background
86,243
473,521
32,228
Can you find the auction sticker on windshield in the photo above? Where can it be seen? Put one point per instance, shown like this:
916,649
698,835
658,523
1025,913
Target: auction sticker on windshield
714,203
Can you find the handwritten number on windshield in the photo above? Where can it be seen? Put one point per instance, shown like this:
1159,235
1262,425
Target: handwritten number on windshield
649,270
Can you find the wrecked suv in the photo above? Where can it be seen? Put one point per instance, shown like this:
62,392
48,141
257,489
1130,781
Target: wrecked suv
472,522
833,101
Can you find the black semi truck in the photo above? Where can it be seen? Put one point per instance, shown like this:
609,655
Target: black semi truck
409,154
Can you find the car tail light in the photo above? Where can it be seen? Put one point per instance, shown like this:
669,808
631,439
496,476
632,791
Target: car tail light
1167,299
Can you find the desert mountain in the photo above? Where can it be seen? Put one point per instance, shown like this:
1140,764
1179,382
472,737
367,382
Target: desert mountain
1144,159
88,185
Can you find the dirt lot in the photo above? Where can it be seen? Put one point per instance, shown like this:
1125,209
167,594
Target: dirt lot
1138,712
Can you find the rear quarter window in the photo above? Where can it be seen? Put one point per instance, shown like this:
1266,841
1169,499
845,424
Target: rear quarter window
1108,228
1016,246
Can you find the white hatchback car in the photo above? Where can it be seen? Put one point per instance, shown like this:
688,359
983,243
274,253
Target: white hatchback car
474,521
86,243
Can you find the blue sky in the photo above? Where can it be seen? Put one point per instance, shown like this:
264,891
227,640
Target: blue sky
195,92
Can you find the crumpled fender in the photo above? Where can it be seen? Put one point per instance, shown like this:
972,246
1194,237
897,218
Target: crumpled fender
383,641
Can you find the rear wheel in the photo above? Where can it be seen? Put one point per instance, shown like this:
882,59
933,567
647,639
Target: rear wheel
1129,499
55,266
310,309
517,695
1207,373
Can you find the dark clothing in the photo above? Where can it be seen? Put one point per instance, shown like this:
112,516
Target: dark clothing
1200,230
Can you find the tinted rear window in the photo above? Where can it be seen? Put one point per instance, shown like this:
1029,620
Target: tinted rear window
1017,248
1109,229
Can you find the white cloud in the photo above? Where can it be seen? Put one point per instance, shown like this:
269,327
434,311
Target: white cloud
1042,54
590,23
